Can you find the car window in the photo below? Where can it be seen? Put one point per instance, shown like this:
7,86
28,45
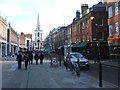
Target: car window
78,55
69,56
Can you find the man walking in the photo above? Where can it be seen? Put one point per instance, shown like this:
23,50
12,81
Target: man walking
36,57
31,57
19,59
26,58
41,58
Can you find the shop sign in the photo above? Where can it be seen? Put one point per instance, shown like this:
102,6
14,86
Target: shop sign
115,40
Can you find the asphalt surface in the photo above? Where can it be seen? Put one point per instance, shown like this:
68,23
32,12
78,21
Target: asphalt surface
109,73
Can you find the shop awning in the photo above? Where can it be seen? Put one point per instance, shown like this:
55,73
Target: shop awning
80,44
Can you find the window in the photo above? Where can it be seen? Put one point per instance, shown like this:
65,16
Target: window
116,8
116,28
88,23
38,41
83,25
38,34
83,37
110,12
110,30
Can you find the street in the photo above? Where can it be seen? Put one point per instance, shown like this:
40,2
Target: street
45,76
109,74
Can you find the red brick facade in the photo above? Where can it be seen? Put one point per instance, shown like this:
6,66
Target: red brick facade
112,21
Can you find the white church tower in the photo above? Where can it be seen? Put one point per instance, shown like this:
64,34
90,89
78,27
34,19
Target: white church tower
38,42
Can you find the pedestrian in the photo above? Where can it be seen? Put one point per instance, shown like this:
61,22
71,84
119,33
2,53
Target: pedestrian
36,58
29,54
19,59
41,58
31,57
26,58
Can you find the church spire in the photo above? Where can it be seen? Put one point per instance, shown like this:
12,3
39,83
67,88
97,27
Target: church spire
38,23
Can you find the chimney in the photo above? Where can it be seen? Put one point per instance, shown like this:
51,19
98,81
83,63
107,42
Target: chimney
77,14
84,7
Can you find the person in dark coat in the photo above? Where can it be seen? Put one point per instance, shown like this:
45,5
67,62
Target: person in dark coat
19,59
36,58
41,58
26,58
31,57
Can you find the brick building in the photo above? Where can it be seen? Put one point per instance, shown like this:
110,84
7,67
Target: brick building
3,37
114,28
89,33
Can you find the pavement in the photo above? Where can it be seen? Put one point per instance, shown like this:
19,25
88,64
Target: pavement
109,62
45,76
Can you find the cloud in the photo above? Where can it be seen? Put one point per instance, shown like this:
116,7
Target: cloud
11,9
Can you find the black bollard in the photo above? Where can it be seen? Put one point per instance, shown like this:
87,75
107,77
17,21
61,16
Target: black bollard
66,64
60,61
100,74
78,68
78,62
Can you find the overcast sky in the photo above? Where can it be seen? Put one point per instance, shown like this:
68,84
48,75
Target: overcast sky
22,14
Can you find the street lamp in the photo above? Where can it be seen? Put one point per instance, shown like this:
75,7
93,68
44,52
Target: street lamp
92,17
98,44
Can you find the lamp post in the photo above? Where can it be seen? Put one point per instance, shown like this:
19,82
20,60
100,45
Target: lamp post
98,49
100,64
98,53
98,43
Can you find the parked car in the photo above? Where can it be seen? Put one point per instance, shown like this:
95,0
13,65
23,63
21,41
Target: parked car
73,57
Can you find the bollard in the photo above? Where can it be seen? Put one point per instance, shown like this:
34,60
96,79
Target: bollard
78,69
51,62
60,61
100,74
66,64
78,62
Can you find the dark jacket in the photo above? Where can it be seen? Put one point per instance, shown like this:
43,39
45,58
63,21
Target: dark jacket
26,57
41,56
36,56
19,57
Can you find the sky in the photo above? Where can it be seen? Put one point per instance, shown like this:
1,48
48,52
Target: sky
22,14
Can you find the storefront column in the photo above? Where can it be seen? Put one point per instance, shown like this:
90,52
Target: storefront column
0,50
12,50
0,66
6,49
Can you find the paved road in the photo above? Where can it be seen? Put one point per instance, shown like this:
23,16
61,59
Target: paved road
109,74
44,76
